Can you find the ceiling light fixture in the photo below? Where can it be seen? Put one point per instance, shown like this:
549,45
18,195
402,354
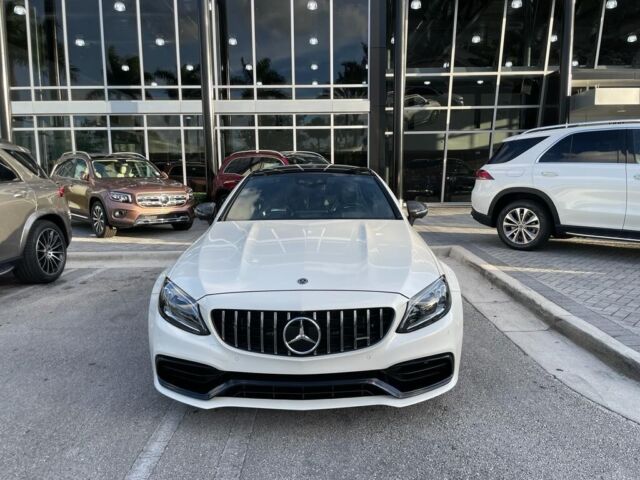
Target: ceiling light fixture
233,41
611,4
554,38
508,64
445,65
575,63
259,84
80,42
189,67
312,5
416,4
314,66
516,4
427,82
393,40
154,84
160,41
119,6
480,82
313,41
314,83
476,39
633,38
248,67
125,68
19,10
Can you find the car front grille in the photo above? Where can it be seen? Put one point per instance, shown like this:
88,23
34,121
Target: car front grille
340,330
162,199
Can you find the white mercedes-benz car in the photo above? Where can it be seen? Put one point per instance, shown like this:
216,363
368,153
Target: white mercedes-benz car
310,290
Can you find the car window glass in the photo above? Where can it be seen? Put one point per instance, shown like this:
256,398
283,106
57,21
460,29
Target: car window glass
124,168
80,169
6,174
510,150
27,161
262,163
311,196
636,146
605,146
239,166
65,169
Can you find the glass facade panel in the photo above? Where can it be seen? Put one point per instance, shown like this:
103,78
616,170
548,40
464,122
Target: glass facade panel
525,42
311,38
47,43
92,141
621,26
273,42
189,36
53,143
236,141
474,91
121,42
515,90
272,139
234,42
587,26
165,147
84,43
430,35
350,41
478,34
516,118
127,141
350,147
423,166
315,140
466,153
17,41
159,44
434,91
475,119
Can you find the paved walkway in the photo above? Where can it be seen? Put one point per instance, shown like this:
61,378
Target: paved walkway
598,281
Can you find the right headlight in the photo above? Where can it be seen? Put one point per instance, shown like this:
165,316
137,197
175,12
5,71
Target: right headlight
427,307
180,310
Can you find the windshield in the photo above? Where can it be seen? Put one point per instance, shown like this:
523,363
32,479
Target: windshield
312,196
124,168
303,158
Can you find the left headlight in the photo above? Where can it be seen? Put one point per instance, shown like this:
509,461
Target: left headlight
180,310
120,197
427,307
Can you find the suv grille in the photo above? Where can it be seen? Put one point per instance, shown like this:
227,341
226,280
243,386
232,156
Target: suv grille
162,199
340,330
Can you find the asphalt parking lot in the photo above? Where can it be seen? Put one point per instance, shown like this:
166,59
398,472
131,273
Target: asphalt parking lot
77,401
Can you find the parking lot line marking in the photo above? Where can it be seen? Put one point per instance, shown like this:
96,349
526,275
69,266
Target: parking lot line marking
153,450
235,450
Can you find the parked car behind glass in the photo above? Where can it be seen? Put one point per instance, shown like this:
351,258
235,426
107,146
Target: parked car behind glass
122,190
35,225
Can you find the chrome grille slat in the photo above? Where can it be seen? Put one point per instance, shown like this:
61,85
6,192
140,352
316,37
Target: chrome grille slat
161,199
262,331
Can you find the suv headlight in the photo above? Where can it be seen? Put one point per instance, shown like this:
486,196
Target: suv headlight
120,197
180,310
427,307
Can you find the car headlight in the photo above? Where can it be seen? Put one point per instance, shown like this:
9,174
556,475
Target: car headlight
427,307
180,310
120,197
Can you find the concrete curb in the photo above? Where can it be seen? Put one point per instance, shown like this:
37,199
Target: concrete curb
577,330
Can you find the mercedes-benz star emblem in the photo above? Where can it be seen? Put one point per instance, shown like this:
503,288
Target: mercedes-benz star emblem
164,199
303,281
301,335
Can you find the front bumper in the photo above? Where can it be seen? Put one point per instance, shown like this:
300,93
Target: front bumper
126,215
228,377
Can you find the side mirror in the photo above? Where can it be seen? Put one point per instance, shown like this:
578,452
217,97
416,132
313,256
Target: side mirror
164,175
206,211
416,210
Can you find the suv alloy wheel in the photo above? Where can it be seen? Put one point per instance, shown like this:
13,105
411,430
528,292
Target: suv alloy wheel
44,256
524,225
99,223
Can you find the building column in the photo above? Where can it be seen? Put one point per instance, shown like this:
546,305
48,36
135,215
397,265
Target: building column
566,60
5,94
399,74
377,86
207,11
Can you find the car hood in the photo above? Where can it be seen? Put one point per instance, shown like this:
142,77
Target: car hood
138,185
372,255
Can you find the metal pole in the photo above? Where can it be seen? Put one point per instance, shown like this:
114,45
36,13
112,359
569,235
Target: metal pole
207,10
5,94
566,60
399,74
377,86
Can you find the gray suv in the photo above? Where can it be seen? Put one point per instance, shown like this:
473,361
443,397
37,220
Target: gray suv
35,225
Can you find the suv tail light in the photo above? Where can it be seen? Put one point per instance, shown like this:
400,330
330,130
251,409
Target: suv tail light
483,175
61,191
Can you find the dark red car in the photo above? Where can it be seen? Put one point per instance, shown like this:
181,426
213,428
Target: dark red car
240,164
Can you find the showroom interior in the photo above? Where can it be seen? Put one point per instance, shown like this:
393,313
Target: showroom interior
187,82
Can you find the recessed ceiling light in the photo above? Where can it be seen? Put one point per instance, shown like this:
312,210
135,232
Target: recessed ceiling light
393,40
633,38
154,84
427,82
366,66
160,41
248,67
125,68
312,5
19,10
233,41
445,65
79,42
259,84
575,63
516,4
314,66
313,41
119,6
416,4
315,82
476,39
554,38
480,82
508,64
189,67
364,82
611,4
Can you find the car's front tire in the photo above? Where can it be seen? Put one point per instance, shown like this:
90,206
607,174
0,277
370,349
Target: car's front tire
44,256
99,223
524,225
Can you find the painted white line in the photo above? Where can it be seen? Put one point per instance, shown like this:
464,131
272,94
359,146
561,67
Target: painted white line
235,450
152,452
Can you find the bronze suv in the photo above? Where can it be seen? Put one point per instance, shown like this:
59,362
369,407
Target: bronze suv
122,190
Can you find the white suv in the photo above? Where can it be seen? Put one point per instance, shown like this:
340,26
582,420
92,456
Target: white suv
581,179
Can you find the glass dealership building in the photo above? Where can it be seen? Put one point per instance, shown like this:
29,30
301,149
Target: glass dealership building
158,76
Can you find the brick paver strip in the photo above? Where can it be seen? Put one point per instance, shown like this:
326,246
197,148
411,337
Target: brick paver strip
598,281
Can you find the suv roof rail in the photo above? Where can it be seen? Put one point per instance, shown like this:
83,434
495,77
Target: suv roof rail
126,154
76,152
582,124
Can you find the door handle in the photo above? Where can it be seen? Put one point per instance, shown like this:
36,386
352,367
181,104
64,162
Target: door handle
549,174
